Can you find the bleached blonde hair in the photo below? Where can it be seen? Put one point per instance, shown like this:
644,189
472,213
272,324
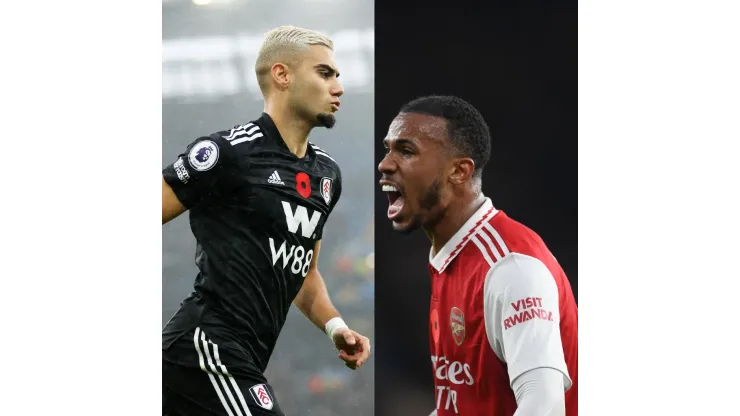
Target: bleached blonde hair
283,44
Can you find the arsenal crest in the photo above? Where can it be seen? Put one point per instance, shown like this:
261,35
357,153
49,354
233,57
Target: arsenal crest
326,189
457,323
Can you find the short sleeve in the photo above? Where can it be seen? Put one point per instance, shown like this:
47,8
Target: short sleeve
522,316
204,169
335,192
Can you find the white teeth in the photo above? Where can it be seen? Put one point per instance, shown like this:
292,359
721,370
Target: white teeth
389,188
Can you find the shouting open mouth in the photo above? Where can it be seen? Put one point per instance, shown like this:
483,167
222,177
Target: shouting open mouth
395,200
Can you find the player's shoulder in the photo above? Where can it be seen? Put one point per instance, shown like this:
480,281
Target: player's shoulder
515,251
227,144
324,158
241,138
515,237
491,237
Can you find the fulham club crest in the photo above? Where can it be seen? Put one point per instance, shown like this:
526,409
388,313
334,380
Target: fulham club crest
326,189
262,396
457,323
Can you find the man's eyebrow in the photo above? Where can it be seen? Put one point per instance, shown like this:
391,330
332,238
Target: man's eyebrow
401,141
328,68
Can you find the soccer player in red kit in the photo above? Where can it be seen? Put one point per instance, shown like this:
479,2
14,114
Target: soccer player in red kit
503,319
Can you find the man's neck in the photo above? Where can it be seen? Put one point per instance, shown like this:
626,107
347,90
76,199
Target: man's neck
455,216
293,130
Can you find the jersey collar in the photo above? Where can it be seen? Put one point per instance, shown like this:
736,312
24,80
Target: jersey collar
269,126
458,241
266,122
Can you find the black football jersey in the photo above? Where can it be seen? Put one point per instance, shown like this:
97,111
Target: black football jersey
256,211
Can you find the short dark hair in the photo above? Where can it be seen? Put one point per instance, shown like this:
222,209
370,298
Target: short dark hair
466,128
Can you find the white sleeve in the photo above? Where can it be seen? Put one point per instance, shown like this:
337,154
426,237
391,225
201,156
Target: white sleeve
522,316
540,392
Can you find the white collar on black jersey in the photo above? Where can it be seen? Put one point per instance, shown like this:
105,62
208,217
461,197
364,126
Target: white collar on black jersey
453,247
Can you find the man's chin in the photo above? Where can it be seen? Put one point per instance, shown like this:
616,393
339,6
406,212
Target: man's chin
326,120
404,226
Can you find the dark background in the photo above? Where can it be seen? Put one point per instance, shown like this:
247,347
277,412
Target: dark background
517,63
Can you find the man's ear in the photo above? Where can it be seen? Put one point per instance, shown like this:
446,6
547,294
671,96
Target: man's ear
280,75
462,170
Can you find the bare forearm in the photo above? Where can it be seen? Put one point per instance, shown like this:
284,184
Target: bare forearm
314,302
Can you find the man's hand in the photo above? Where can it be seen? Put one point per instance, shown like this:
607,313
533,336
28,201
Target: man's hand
354,349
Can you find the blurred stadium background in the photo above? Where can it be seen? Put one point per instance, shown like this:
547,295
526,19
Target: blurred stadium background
208,84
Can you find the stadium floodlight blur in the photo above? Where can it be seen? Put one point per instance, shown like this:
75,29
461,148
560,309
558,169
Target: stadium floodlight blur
208,82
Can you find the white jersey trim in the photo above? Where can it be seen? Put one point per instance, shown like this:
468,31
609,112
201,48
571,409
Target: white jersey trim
458,241
319,151
245,133
216,369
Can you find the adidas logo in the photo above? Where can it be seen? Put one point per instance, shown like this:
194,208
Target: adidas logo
275,179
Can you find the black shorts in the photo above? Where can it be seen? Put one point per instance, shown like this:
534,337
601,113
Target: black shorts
202,378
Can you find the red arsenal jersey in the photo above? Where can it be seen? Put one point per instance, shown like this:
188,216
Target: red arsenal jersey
501,306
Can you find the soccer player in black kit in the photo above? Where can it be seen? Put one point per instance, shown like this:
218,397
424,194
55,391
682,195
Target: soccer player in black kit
259,195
